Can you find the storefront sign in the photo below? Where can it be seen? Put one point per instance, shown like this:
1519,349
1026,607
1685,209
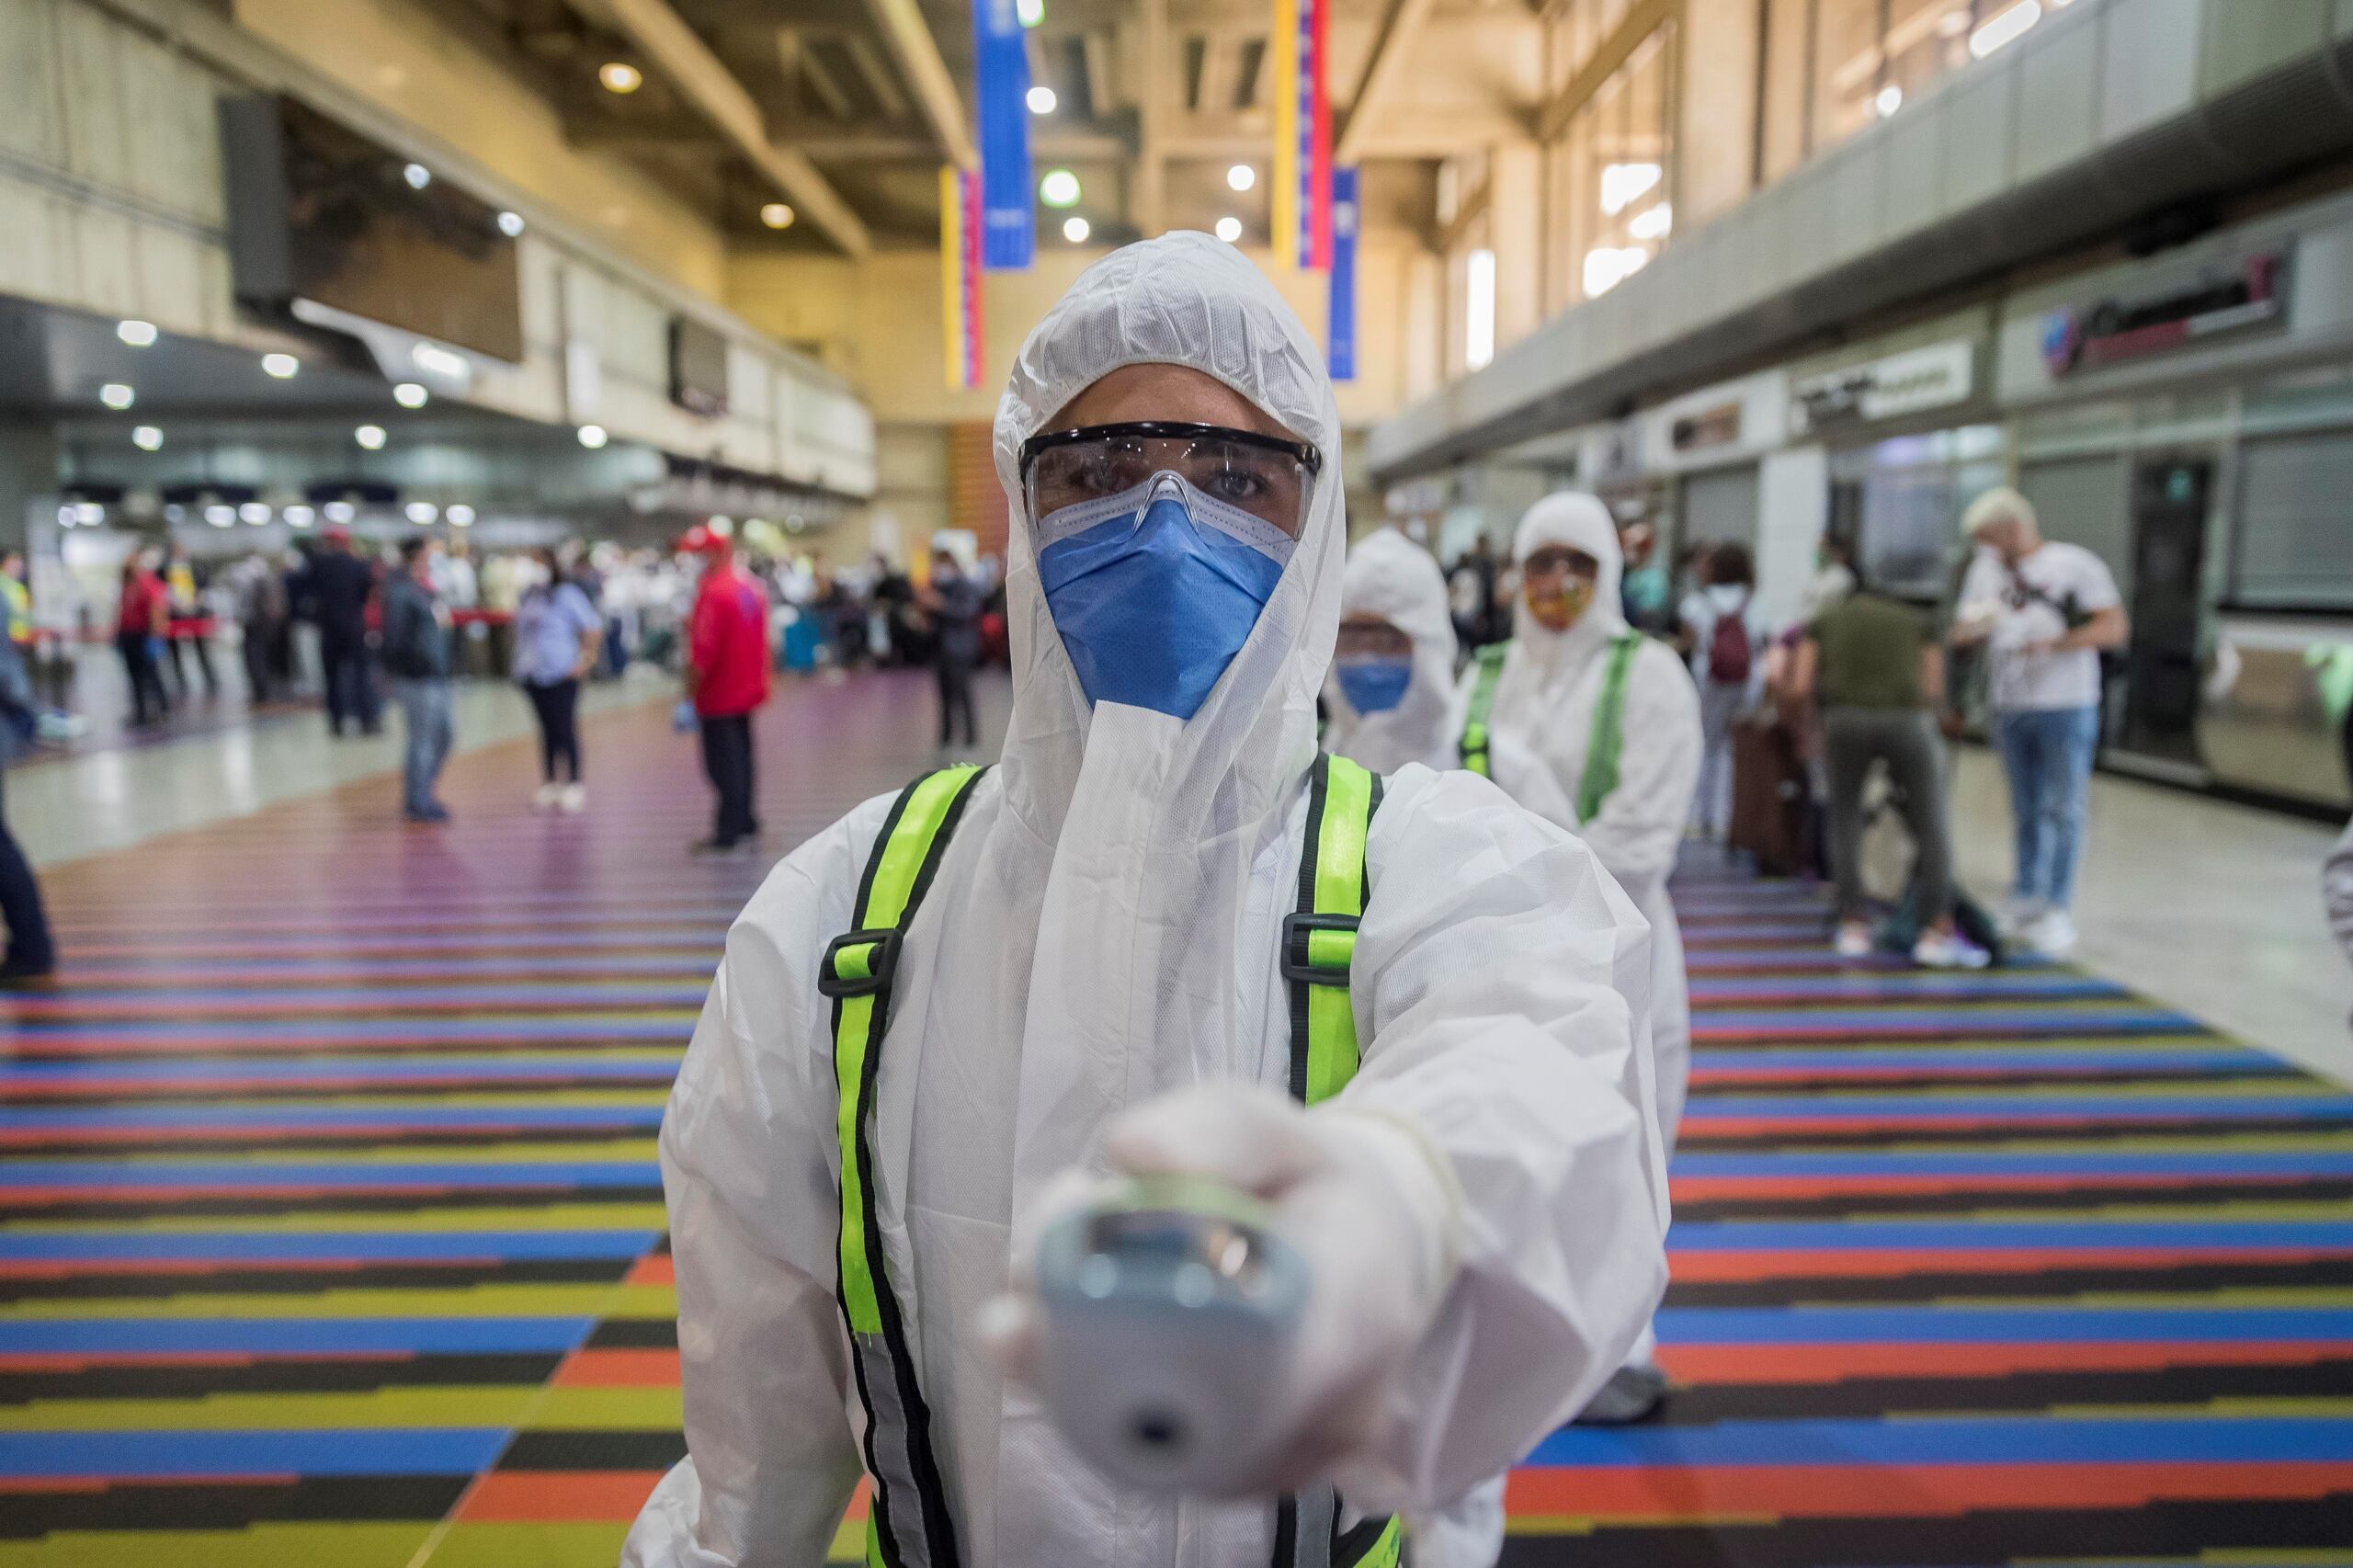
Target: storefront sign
2116,330
1892,387
1718,426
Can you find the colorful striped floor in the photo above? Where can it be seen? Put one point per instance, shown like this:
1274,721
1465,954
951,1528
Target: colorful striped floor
332,1231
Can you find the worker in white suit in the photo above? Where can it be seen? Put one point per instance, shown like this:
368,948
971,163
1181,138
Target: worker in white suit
1089,971
1615,718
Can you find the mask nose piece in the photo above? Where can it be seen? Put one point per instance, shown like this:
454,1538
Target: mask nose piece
1167,486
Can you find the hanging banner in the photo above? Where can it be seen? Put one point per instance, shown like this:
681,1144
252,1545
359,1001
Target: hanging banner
959,275
1341,324
1302,188
1000,83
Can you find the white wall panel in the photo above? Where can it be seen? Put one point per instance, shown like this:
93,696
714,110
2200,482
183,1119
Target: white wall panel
1858,204
2149,65
30,115
2056,115
1981,118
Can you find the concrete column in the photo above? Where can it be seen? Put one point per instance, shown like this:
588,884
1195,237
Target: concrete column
1792,509
1516,229
28,478
1714,153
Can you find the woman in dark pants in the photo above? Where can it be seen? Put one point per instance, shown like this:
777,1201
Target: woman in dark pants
142,620
557,631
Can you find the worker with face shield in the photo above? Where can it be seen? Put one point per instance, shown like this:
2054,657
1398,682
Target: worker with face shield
947,1021
1615,718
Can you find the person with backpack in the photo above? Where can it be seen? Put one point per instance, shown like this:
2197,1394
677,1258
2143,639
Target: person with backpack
1612,716
1726,638
2043,612
1400,1018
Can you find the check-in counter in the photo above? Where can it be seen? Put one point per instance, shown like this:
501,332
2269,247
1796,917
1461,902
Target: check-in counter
2271,718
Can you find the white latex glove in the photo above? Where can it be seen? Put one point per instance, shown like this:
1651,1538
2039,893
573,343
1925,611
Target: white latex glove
1367,1200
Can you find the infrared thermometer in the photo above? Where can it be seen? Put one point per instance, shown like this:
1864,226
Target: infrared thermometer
1170,1310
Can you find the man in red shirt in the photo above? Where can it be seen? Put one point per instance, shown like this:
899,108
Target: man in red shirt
143,617
727,678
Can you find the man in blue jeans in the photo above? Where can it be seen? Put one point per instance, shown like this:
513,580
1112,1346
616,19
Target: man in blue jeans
2043,612
417,650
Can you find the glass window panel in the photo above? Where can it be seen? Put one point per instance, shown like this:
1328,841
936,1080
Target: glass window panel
1847,63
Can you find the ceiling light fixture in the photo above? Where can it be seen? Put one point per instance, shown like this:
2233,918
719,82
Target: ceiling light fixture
280,366
593,437
1029,12
138,333
417,176
116,397
221,515
1042,99
341,511
298,516
1230,230
511,225
777,215
148,438
459,516
89,514
422,511
253,512
2004,28
1059,189
1075,230
620,76
410,394
369,437
1241,176
1890,99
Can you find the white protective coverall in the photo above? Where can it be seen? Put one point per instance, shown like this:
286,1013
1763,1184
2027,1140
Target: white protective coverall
1390,577
1552,682
1103,931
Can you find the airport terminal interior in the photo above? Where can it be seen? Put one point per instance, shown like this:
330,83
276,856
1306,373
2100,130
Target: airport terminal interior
482,481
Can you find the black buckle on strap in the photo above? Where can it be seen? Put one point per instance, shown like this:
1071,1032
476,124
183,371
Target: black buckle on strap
885,941
1296,931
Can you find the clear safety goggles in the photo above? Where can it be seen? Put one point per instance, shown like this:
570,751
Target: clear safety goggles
1267,477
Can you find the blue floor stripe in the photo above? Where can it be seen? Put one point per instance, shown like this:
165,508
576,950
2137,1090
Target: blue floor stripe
1904,986
179,1118
389,1450
2115,1059
291,1336
2026,1107
367,1246
1961,1021
1717,1235
2023,1441
198,1070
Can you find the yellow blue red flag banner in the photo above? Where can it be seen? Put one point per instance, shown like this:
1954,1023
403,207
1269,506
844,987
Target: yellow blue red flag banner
960,274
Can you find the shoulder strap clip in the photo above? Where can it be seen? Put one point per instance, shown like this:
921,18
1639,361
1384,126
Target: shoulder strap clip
1317,948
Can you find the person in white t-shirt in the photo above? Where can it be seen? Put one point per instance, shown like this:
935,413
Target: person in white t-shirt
2043,611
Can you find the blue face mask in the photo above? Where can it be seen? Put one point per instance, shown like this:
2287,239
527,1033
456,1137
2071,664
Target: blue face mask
1375,686
1155,589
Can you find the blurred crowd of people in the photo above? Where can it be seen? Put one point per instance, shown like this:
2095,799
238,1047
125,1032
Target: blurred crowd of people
1821,741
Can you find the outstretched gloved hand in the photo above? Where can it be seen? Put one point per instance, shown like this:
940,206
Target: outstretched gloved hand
1365,1199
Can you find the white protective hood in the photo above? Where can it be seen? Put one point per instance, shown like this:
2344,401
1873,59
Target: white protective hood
1390,577
1552,683
1103,931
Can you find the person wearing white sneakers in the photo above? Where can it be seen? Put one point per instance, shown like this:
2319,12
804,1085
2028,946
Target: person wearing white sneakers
2044,612
1874,664
557,632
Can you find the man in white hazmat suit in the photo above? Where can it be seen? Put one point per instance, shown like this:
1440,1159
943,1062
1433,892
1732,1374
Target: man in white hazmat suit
1614,716
1092,981
1391,700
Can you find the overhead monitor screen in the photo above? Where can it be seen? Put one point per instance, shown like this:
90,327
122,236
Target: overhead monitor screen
317,211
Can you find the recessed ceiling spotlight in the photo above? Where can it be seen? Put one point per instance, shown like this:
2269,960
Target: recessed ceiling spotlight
369,437
138,333
410,394
280,366
148,438
620,76
116,397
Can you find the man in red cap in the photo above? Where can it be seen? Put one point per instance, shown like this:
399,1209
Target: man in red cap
727,678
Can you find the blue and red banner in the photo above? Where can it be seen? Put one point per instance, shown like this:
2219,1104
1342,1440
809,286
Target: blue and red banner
1302,189
1340,326
960,274
1001,117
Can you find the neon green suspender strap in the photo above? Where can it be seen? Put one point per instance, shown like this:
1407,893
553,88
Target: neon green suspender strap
1475,738
1319,938
910,1525
1600,775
